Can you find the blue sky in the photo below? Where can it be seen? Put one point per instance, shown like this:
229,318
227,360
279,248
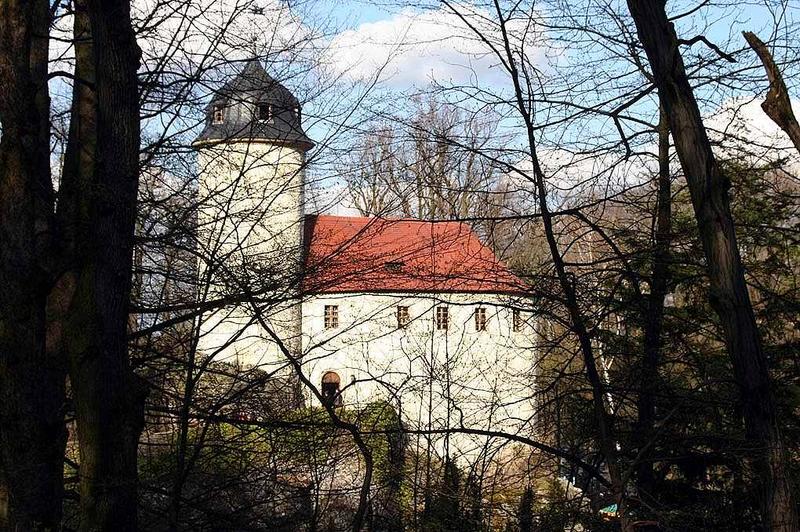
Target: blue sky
352,13
434,42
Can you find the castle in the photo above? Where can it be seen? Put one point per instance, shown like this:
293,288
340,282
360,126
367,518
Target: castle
420,314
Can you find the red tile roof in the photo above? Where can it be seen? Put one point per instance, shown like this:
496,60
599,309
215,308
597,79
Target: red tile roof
349,254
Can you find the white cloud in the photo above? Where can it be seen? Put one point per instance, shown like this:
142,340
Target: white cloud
746,128
739,128
414,47
222,29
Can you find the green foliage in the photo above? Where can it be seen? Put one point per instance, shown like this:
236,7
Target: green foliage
452,504
472,508
701,478
227,455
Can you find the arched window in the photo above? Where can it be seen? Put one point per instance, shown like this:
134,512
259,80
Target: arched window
330,388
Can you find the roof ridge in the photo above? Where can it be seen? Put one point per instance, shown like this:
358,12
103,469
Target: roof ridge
387,219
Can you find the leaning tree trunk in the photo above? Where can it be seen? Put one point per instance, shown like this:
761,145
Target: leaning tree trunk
32,433
708,187
103,167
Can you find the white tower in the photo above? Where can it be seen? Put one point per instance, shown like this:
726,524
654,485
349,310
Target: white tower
251,167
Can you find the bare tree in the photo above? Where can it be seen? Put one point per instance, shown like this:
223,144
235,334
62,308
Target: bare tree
429,161
97,211
659,287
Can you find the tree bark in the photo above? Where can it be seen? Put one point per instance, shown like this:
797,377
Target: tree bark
777,104
654,318
708,187
100,189
32,431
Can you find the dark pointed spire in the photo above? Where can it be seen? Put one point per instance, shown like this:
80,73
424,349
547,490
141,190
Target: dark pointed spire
254,106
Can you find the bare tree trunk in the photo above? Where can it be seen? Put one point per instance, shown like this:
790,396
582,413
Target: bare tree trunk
654,319
777,105
728,294
101,174
32,432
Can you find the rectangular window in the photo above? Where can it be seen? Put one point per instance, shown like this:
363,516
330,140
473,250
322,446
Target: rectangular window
264,111
403,317
442,318
394,265
480,319
218,116
331,316
516,320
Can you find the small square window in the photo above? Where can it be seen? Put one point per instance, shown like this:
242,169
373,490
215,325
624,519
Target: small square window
264,112
218,115
516,320
403,317
480,319
442,318
331,316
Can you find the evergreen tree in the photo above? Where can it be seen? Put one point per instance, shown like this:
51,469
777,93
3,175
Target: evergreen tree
473,505
443,507
525,511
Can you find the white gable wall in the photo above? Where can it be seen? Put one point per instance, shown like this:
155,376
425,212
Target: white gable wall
438,379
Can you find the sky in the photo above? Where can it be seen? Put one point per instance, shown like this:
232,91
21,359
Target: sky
416,46
410,46
434,40
413,46
405,47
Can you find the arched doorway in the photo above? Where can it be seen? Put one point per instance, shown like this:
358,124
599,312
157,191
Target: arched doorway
331,388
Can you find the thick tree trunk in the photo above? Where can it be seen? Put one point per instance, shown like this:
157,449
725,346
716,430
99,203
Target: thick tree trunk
32,433
728,294
654,318
101,180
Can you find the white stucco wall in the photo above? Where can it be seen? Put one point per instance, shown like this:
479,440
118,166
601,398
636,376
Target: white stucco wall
250,230
438,379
